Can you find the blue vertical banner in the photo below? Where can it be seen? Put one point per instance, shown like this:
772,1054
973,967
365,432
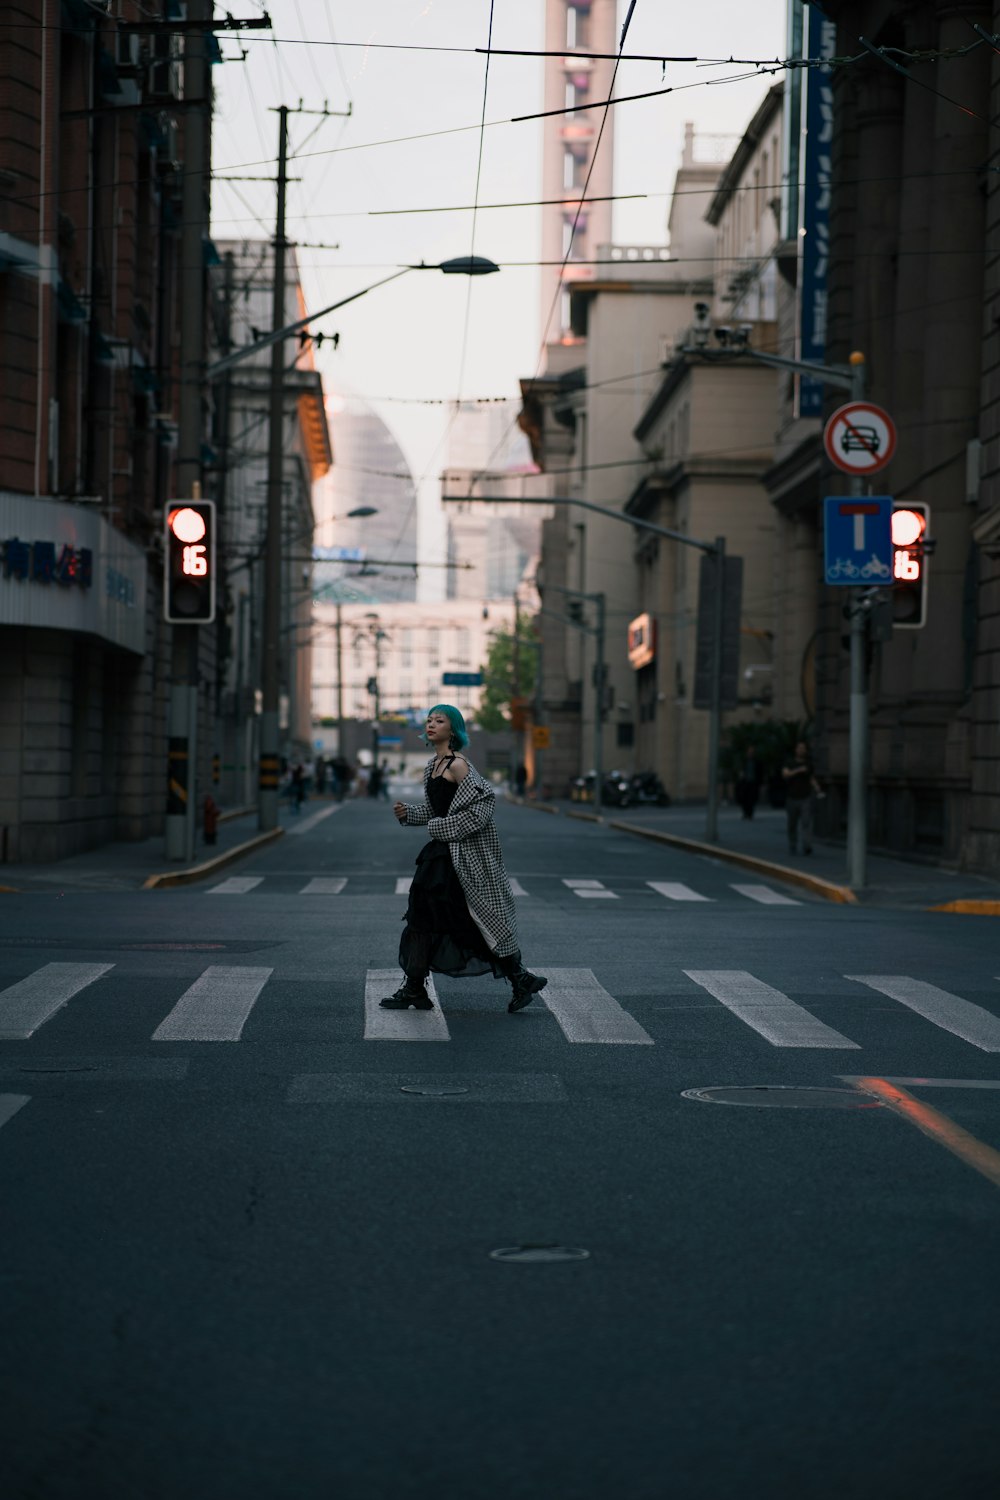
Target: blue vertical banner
821,41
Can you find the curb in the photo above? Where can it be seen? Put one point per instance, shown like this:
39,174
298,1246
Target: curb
827,889
198,872
970,907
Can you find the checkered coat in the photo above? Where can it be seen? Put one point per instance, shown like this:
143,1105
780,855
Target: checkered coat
474,846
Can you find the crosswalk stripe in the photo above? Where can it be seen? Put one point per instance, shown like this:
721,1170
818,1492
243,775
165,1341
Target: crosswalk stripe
236,885
28,1004
950,1012
586,1012
215,1008
324,885
400,1025
310,822
590,889
675,890
765,895
768,1011
10,1104
403,883
517,889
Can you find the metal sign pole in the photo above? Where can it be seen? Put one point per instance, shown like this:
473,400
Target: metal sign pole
715,712
857,785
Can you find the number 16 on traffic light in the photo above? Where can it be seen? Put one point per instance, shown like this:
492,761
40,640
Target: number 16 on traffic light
910,547
189,562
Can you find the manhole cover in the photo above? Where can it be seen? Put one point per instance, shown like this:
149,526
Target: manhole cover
539,1253
785,1096
434,1090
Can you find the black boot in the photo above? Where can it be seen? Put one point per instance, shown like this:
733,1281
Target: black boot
410,992
524,984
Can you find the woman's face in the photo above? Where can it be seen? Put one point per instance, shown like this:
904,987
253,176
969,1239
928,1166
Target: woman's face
438,729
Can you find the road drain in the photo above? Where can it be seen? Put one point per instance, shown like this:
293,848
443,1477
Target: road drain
784,1096
435,1090
538,1254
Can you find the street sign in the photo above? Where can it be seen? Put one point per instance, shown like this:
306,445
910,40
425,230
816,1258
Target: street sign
462,679
857,535
540,736
732,606
860,438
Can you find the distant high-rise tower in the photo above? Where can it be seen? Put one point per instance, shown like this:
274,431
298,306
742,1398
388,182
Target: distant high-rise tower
573,27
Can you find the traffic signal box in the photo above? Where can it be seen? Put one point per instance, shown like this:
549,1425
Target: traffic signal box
189,562
909,565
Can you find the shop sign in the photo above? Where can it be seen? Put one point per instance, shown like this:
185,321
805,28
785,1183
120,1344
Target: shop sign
641,641
64,568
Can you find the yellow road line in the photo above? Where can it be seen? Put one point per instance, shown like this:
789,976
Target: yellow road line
976,1154
970,907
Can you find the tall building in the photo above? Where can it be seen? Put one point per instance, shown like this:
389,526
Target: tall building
572,28
370,471
490,548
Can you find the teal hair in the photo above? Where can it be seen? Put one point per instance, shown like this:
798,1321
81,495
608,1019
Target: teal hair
459,733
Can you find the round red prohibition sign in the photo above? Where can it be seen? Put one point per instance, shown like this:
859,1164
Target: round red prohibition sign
860,438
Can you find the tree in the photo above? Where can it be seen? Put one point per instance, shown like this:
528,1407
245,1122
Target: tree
508,672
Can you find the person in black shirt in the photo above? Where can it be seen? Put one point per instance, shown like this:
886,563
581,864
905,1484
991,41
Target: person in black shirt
800,787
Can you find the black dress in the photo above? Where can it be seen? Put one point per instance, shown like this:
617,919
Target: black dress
440,934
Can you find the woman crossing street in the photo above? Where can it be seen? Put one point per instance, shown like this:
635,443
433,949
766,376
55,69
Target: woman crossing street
460,919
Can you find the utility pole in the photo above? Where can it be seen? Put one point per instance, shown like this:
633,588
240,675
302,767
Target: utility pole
599,675
340,684
857,783
182,723
267,786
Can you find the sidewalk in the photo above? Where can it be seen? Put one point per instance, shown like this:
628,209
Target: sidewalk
760,845
124,866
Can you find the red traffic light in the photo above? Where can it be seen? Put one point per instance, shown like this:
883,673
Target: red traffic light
909,565
189,562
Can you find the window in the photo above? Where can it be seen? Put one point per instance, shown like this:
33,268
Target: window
569,169
626,736
570,26
570,96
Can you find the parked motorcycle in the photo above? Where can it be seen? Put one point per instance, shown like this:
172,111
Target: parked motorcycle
615,789
645,789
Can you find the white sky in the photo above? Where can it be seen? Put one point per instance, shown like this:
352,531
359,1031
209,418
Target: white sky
428,336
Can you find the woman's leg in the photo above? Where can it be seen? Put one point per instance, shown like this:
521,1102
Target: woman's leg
524,984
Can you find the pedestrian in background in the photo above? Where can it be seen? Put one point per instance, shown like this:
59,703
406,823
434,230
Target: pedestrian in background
460,918
747,789
800,788
298,786
521,778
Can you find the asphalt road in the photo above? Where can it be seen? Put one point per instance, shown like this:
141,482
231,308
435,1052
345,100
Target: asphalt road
238,1261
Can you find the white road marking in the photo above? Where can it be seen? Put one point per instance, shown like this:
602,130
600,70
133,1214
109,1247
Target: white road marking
674,890
778,1019
400,1025
403,883
10,1104
324,885
216,1007
592,890
306,824
517,889
950,1012
28,1004
586,1012
765,895
236,885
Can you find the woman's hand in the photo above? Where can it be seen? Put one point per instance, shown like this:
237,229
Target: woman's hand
399,808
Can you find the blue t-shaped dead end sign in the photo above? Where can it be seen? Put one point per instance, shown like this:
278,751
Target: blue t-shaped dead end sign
857,533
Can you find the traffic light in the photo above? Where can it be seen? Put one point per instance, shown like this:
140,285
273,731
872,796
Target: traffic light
189,563
909,565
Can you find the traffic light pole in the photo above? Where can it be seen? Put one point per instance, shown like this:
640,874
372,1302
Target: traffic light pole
267,783
182,721
857,778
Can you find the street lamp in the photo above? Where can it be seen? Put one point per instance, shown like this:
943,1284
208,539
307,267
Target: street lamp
467,265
